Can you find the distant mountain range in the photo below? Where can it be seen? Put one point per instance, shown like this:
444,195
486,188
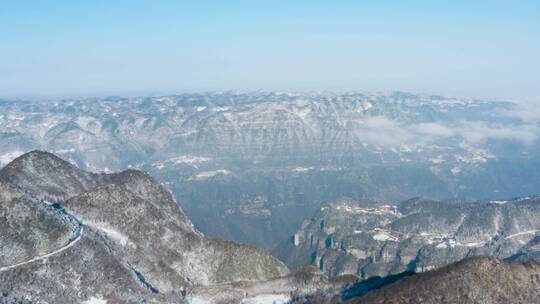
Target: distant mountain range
250,166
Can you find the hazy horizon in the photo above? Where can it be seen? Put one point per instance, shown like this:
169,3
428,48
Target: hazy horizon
63,49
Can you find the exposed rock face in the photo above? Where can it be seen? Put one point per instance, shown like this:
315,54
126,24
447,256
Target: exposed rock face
68,236
373,239
471,281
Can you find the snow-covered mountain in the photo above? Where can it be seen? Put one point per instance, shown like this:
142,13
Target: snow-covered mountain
368,238
250,166
70,236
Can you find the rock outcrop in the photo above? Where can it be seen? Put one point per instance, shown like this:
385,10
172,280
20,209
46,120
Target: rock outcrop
371,238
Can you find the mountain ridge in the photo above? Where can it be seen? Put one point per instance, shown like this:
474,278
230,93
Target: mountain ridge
291,150
473,280
129,222
373,239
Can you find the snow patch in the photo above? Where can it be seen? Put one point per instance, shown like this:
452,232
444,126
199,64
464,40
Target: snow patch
437,160
473,244
112,233
455,170
522,233
65,151
196,300
446,244
267,299
476,156
384,236
381,210
207,174
183,159
94,300
190,159
367,105
451,243
302,169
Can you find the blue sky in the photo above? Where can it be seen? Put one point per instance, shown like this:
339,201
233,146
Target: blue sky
91,48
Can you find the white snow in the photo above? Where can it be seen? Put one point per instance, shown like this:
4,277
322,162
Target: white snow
94,300
190,159
437,160
455,170
442,245
408,148
330,169
196,300
182,159
64,151
112,233
473,244
381,210
43,257
522,233
267,299
476,156
302,169
453,243
385,236
367,105
448,243
206,174
199,109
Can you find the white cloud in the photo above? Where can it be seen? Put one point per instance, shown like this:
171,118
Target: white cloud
383,131
479,132
526,110
433,129
380,130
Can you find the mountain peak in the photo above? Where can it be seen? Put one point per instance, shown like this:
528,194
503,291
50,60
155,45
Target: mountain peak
129,219
46,176
38,158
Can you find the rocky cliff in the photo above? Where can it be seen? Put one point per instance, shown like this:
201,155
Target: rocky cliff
370,238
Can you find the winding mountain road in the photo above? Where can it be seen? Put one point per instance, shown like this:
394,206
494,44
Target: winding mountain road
73,241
